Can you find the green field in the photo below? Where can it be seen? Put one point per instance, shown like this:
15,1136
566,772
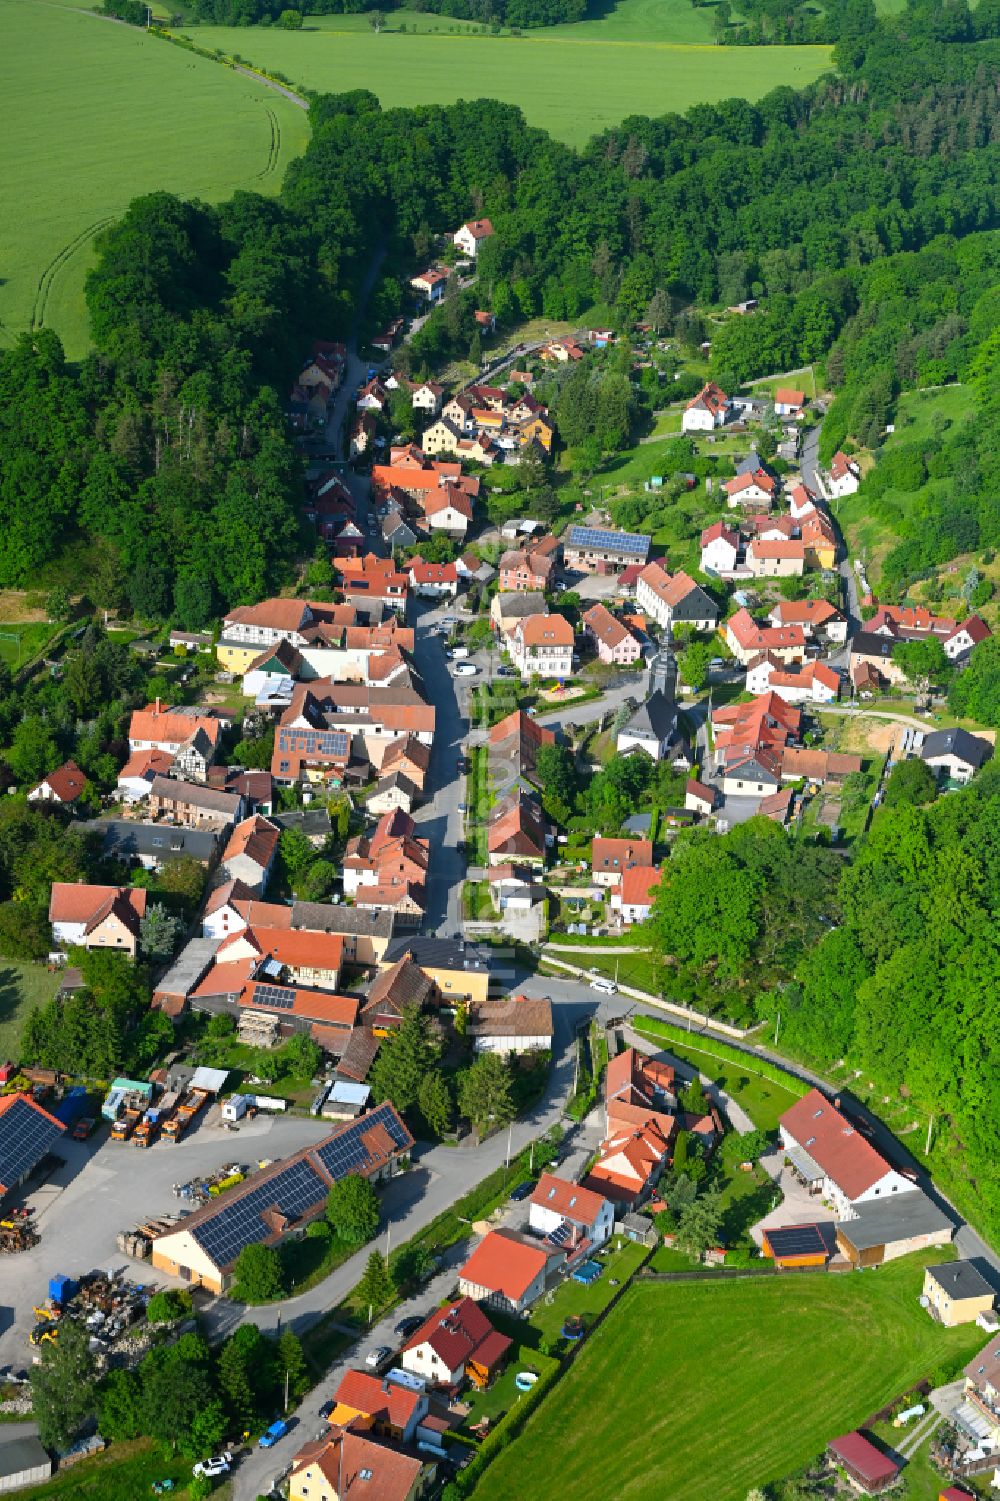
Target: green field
729,1384
96,113
574,80
123,1470
22,986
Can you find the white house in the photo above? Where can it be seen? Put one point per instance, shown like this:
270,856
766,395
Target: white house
720,545
789,403
137,775
834,1159
515,1024
843,477
427,397
433,580
706,411
455,1341
965,637
570,1214
955,754
634,895
542,645
814,683
674,599
471,236
430,284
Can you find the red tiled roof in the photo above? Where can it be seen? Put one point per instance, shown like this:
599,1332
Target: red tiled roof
567,1198
460,1332
638,884
255,838
386,1401
353,1464
66,782
846,1157
786,397
505,1264
77,902
609,856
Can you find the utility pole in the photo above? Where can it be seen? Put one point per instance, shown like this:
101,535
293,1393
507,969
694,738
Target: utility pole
777,1028
286,1388
930,1128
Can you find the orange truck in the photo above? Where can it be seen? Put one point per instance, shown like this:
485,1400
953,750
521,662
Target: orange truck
194,1101
125,1125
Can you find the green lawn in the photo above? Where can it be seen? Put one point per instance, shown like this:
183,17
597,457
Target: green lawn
575,1300
31,635
96,113
22,986
574,81
764,1100
124,1470
700,1390
918,411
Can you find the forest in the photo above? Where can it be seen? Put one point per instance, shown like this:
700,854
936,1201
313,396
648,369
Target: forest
517,14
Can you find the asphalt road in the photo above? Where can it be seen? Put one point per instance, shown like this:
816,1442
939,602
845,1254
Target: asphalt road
439,818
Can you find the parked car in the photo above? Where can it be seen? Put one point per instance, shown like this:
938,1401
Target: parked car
277,1430
409,1326
375,1357
466,670
220,1465
327,1408
521,1191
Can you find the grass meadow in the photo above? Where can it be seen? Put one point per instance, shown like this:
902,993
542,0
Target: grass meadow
96,113
730,1384
23,985
573,81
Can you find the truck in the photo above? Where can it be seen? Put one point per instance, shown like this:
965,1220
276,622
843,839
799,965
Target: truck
126,1124
146,1131
189,1106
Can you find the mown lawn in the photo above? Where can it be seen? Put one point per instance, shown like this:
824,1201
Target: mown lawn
700,1390
22,986
31,638
764,1101
123,1471
573,81
96,114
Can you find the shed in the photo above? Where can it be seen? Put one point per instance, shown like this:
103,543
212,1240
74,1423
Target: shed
23,1462
345,1100
639,1228
868,1469
883,1229
795,1245
212,1080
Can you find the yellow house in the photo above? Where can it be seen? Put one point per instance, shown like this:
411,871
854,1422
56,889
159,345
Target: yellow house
541,430
460,971
957,1293
348,1465
821,553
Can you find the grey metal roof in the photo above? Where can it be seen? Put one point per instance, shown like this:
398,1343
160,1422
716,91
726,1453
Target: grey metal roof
959,743
189,966
438,953
196,794
20,1454
655,719
313,822
899,1217
961,1279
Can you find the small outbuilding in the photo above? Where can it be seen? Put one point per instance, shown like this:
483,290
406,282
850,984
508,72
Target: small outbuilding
868,1470
23,1462
795,1246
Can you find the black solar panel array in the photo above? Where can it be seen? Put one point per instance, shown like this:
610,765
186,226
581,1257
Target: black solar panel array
25,1137
276,996
346,1152
238,1223
796,1240
592,536
314,742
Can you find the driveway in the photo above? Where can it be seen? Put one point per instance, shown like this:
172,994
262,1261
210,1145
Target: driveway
797,1207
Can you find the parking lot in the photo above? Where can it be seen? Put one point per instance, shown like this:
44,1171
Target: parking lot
108,1186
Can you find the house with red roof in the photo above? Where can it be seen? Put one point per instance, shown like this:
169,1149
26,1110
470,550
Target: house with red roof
385,1407
64,785
834,1159
347,1464
433,580
746,639
813,682
96,917
251,852
817,617
789,403
574,1218
965,636
776,557
706,411
699,797
631,1161
456,1342
720,547
843,477
634,895
753,491
614,642
508,1271
471,235
609,858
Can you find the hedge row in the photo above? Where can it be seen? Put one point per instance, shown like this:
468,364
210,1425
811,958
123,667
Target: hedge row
650,1026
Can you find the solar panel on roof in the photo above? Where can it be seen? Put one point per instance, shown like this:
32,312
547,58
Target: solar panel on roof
592,536
238,1223
278,996
25,1137
346,1152
796,1240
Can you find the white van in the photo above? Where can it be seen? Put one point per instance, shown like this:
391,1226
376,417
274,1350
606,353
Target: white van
459,652
606,987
